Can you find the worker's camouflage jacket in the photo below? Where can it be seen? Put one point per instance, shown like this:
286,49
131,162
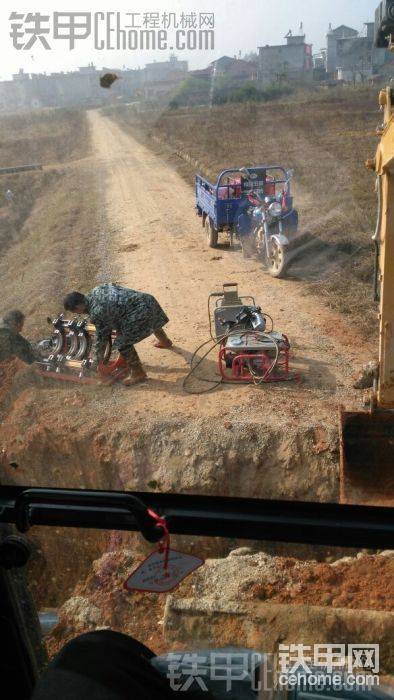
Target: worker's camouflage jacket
12,344
133,315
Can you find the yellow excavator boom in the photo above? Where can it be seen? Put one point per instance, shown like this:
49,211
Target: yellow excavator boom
367,437
384,167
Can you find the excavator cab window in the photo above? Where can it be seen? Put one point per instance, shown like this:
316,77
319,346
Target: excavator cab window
154,515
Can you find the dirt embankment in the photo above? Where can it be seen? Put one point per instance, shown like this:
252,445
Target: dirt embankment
270,441
53,235
53,136
361,582
67,440
265,601
49,231
326,138
243,579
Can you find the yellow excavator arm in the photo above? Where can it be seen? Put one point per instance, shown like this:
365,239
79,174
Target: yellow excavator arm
383,396
367,437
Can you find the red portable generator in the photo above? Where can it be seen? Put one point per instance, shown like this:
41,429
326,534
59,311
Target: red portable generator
250,350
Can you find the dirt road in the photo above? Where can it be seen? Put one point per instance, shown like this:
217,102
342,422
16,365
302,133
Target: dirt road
273,441
276,440
160,247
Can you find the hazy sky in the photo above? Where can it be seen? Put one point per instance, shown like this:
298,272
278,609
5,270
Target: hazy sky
241,25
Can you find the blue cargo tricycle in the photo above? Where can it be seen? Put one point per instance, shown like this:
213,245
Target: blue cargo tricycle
254,206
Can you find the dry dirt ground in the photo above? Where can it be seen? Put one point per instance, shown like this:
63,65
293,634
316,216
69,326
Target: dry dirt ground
306,602
274,441
155,433
271,441
325,136
161,248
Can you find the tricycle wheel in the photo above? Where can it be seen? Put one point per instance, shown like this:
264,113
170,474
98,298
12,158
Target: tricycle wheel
212,234
278,260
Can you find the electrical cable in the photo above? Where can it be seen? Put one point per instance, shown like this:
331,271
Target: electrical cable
259,335
257,379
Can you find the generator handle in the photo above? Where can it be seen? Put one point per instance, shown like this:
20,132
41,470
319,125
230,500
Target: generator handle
122,503
246,298
252,299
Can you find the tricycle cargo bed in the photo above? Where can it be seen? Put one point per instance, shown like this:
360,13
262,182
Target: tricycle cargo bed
205,197
254,207
221,202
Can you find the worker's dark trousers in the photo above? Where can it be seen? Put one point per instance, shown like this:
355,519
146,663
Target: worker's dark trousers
131,356
106,665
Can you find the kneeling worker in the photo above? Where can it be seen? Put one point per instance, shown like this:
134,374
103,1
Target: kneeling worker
12,343
133,315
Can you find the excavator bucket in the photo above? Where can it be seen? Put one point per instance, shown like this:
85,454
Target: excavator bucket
367,457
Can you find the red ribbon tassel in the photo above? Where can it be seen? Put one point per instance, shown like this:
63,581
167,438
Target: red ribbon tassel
164,544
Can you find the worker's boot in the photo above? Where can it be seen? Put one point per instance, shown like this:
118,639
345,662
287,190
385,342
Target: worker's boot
137,373
163,340
136,376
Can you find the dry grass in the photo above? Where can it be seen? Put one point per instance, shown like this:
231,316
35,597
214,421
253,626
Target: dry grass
325,137
49,235
46,137
57,251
